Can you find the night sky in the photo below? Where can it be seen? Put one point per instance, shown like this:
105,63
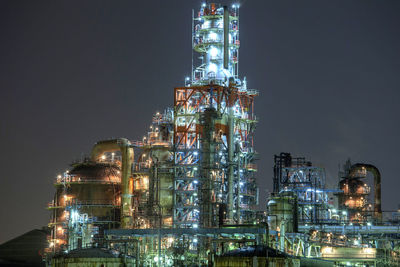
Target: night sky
74,72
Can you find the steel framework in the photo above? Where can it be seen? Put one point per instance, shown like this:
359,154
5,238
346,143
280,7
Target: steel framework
307,182
214,155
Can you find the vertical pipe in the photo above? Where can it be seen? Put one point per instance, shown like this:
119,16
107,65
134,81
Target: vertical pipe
237,38
377,194
226,38
276,174
159,245
192,31
124,146
282,231
174,194
127,159
295,215
230,162
207,120
238,192
377,186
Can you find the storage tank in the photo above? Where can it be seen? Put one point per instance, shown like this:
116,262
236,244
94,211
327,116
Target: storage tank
88,195
92,257
282,211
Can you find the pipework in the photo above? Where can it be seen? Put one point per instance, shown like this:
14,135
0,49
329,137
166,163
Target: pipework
124,146
377,185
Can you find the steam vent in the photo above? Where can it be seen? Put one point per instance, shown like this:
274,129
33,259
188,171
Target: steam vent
187,194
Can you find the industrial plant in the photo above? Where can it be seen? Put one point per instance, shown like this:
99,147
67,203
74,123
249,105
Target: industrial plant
186,193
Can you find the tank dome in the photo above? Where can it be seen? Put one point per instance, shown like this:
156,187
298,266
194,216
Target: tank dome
96,171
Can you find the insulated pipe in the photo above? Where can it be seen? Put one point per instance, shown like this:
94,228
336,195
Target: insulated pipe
226,38
207,161
123,145
377,185
282,232
238,192
231,144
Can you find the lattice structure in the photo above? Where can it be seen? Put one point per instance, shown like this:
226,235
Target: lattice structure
307,182
153,175
214,155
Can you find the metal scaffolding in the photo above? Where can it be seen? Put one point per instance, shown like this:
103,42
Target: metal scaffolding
214,156
187,193
214,123
307,182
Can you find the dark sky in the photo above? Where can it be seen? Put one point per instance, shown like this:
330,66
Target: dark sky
74,72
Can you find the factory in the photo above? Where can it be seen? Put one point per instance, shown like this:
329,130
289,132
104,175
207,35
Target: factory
186,193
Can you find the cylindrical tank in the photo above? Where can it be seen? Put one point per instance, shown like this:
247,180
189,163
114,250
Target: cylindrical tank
161,185
282,211
91,191
153,188
355,193
91,257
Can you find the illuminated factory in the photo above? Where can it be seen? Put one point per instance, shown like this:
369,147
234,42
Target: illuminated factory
186,193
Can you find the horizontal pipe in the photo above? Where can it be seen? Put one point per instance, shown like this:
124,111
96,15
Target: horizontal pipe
187,231
355,229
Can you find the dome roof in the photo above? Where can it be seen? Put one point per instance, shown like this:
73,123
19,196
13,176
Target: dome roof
95,171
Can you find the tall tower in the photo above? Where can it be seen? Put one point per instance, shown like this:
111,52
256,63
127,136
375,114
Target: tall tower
216,39
194,169
214,123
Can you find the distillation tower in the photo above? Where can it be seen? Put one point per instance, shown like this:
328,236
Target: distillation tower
196,166
181,189
186,193
214,125
355,191
304,221
87,201
92,197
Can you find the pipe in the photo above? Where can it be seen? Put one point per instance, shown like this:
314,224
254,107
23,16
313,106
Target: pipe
123,145
282,233
226,38
238,192
377,185
231,144
207,162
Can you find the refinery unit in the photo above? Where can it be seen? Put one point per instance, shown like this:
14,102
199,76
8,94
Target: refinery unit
186,193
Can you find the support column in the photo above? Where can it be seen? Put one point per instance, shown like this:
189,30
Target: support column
231,148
